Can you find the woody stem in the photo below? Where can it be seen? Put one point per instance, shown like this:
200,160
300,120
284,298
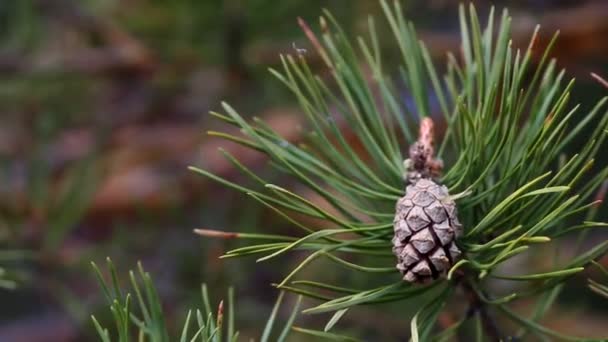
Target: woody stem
479,307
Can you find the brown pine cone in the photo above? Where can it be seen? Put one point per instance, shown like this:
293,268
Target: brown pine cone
425,227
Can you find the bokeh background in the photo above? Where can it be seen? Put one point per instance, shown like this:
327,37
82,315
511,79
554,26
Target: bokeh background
104,104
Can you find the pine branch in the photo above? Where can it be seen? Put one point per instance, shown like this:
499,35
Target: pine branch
478,307
147,318
508,124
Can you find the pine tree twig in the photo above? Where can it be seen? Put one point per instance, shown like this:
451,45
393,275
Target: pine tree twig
514,143
477,306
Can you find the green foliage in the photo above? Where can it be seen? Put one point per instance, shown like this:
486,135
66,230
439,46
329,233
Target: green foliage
51,202
146,320
9,280
598,287
509,122
18,24
55,199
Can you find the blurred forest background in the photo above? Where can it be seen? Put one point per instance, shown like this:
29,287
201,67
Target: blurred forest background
103,105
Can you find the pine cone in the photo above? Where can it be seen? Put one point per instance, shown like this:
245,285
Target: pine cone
425,229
